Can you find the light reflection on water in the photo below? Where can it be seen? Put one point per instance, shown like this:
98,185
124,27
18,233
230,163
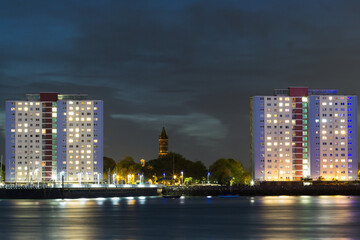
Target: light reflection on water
275,217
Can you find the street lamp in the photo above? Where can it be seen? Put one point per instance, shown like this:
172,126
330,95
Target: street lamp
174,178
37,171
114,175
98,178
87,176
79,176
62,177
182,177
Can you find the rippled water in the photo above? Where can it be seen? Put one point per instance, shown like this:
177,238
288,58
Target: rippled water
304,217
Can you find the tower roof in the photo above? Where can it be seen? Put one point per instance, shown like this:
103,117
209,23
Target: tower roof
163,134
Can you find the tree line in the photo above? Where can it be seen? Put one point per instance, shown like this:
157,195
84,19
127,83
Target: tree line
174,168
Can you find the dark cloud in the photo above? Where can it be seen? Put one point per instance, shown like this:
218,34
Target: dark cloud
192,64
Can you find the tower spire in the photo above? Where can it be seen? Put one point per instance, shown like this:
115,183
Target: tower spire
163,143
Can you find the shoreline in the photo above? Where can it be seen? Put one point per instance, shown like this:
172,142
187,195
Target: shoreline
189,191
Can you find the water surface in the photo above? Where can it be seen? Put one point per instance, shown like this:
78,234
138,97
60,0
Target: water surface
284,217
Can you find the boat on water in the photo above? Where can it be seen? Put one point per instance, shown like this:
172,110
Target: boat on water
228,196
171,196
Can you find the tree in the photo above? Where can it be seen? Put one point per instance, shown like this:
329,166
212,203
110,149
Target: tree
228,171
173,164
126,170
2,173
108,163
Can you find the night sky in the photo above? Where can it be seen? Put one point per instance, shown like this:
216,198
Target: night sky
190,65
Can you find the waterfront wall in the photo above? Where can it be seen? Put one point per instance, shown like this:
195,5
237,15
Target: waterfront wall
313,190
59,193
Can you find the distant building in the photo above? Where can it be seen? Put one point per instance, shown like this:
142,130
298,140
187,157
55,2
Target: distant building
304,133
163,143
50,135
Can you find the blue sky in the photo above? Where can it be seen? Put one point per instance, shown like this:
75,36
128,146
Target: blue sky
190,64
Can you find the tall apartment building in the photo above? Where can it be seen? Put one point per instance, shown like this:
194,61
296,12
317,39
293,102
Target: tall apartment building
304,133
50,135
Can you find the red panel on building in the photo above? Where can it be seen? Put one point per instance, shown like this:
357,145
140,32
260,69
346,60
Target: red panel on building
298,91
47,105
49,97
299,133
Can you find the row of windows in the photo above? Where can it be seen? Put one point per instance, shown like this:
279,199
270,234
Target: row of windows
78,162
26,103
275,98
81,103
276,110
